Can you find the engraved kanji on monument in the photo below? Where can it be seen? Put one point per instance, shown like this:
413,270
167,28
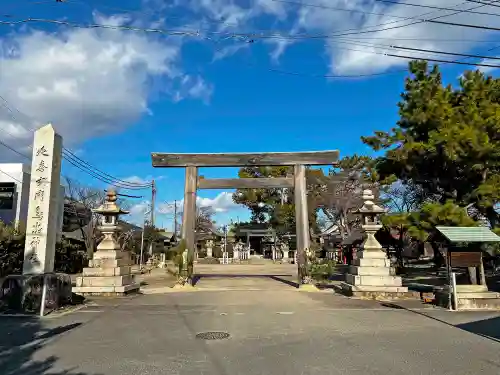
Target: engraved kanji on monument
41,225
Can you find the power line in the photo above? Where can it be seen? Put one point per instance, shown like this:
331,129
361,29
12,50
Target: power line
470,10
78,162
431,7
360,31
88,171
447,53
439,52
196,33
417,18
484,2
72,156
102,26
9,175
429,59
328,7
354,76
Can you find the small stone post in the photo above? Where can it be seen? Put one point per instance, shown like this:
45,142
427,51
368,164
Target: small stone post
210,246
285,248
236,251
371,274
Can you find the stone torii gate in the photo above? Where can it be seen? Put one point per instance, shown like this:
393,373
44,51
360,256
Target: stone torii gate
299,160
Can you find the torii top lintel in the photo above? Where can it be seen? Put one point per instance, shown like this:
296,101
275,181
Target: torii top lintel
165,160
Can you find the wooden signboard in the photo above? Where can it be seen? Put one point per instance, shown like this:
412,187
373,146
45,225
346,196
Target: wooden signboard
465,258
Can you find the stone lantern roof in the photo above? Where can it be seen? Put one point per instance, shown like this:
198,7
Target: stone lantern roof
109,207
369,207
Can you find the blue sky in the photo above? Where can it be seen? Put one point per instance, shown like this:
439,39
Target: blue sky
117,95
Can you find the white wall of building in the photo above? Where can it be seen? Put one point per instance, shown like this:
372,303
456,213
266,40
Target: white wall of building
20,174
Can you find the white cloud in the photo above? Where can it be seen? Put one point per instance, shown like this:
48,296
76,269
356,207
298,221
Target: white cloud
363,53
221,203
367,29
136,180
90,82
194,87
142,181
489,69
137,212
87,82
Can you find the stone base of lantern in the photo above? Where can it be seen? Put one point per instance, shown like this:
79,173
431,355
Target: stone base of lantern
109,274
371,276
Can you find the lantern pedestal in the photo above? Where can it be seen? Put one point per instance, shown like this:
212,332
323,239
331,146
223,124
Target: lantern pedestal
371,276
108,274
110,271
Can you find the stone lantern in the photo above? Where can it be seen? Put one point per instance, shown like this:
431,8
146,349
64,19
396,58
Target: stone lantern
109,272
370,219
371,274
109,224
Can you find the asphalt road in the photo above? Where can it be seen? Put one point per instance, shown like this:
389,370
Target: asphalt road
281,332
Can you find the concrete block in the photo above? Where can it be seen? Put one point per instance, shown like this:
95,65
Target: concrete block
480,295
114,271
372,271
110,254
108,263
374,280
371,254
127,288
373,288
93,289
472,288
104,281
372,262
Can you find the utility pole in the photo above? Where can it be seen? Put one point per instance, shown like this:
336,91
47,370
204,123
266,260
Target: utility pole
175,219
141,260
153,198
152,220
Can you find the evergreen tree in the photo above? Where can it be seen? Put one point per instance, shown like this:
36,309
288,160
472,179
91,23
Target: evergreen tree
446,143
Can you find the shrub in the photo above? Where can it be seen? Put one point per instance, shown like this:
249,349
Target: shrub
178,257
11,250
68,258
322,269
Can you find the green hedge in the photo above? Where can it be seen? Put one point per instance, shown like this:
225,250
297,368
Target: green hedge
68,258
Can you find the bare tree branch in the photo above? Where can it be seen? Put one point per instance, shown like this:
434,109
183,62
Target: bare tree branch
339,195
81,200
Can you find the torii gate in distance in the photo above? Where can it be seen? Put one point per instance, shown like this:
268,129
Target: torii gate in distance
299,161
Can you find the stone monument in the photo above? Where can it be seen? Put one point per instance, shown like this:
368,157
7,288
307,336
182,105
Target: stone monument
43,207
109,272
371,274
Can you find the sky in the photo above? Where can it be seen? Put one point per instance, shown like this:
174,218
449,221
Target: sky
199,76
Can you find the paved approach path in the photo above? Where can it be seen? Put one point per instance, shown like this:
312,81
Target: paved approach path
276,332
266,276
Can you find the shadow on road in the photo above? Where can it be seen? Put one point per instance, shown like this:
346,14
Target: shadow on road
489,328
20,339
